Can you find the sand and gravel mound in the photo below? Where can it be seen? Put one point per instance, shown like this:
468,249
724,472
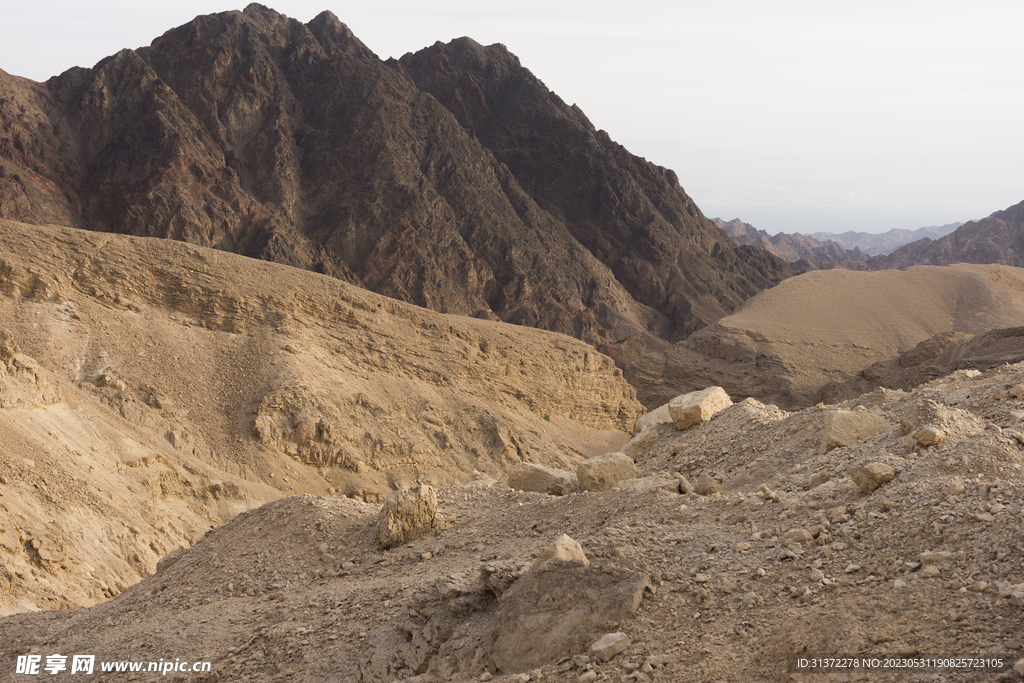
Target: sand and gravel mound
787,345
795,554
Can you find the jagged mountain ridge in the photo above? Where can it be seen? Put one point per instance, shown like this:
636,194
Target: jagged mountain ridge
875,244
999,238
792,248
253,133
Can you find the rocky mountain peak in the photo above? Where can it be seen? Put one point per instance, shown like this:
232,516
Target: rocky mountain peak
452,178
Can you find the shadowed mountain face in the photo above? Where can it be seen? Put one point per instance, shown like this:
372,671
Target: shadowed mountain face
996,239
253,133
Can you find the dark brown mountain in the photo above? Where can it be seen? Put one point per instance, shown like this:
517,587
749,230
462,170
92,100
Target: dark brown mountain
452,179
997,239
801,251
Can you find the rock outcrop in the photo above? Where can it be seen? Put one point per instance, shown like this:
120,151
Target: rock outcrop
406,515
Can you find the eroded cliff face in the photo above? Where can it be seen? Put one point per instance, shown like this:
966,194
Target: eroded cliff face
254,133
147,380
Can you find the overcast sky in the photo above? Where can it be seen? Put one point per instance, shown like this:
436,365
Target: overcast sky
793,116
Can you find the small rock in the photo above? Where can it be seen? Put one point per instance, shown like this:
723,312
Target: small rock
899,583
603,472
520,678
587,676
690,410
930,571
528,476
817,575
750,598
869,477
817,480
1018,668
929,436
486,676
797,536
580,661
610,645
851,568
426,556
847,427
707,486
406,514
563,548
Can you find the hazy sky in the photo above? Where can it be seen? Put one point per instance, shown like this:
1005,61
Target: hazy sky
794,116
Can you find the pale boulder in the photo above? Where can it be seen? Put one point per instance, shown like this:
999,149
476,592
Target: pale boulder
407,514
869,477
707,486
564,548
657,416
528,476
847,427
690,410
603,472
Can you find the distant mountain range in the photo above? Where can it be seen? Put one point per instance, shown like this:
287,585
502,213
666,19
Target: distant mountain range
874,244
999,238
451,178
804,252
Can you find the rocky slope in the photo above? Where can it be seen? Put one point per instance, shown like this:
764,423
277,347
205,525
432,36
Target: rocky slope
933,358
792,248
790,557
253,133
150,389
996,239
795,344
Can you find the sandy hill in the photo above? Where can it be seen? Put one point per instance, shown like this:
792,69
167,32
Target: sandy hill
254,133
789,343
150,389
798,551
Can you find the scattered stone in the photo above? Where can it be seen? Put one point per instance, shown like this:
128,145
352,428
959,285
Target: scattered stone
671,485
707,486
603,472
817,575
750,598
563,548
930,571
528,476
869,477
520,678
847,427
929,557
610,645
817,480
797,536
407,514
851,568
690,410
580,661
587,676
929,436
